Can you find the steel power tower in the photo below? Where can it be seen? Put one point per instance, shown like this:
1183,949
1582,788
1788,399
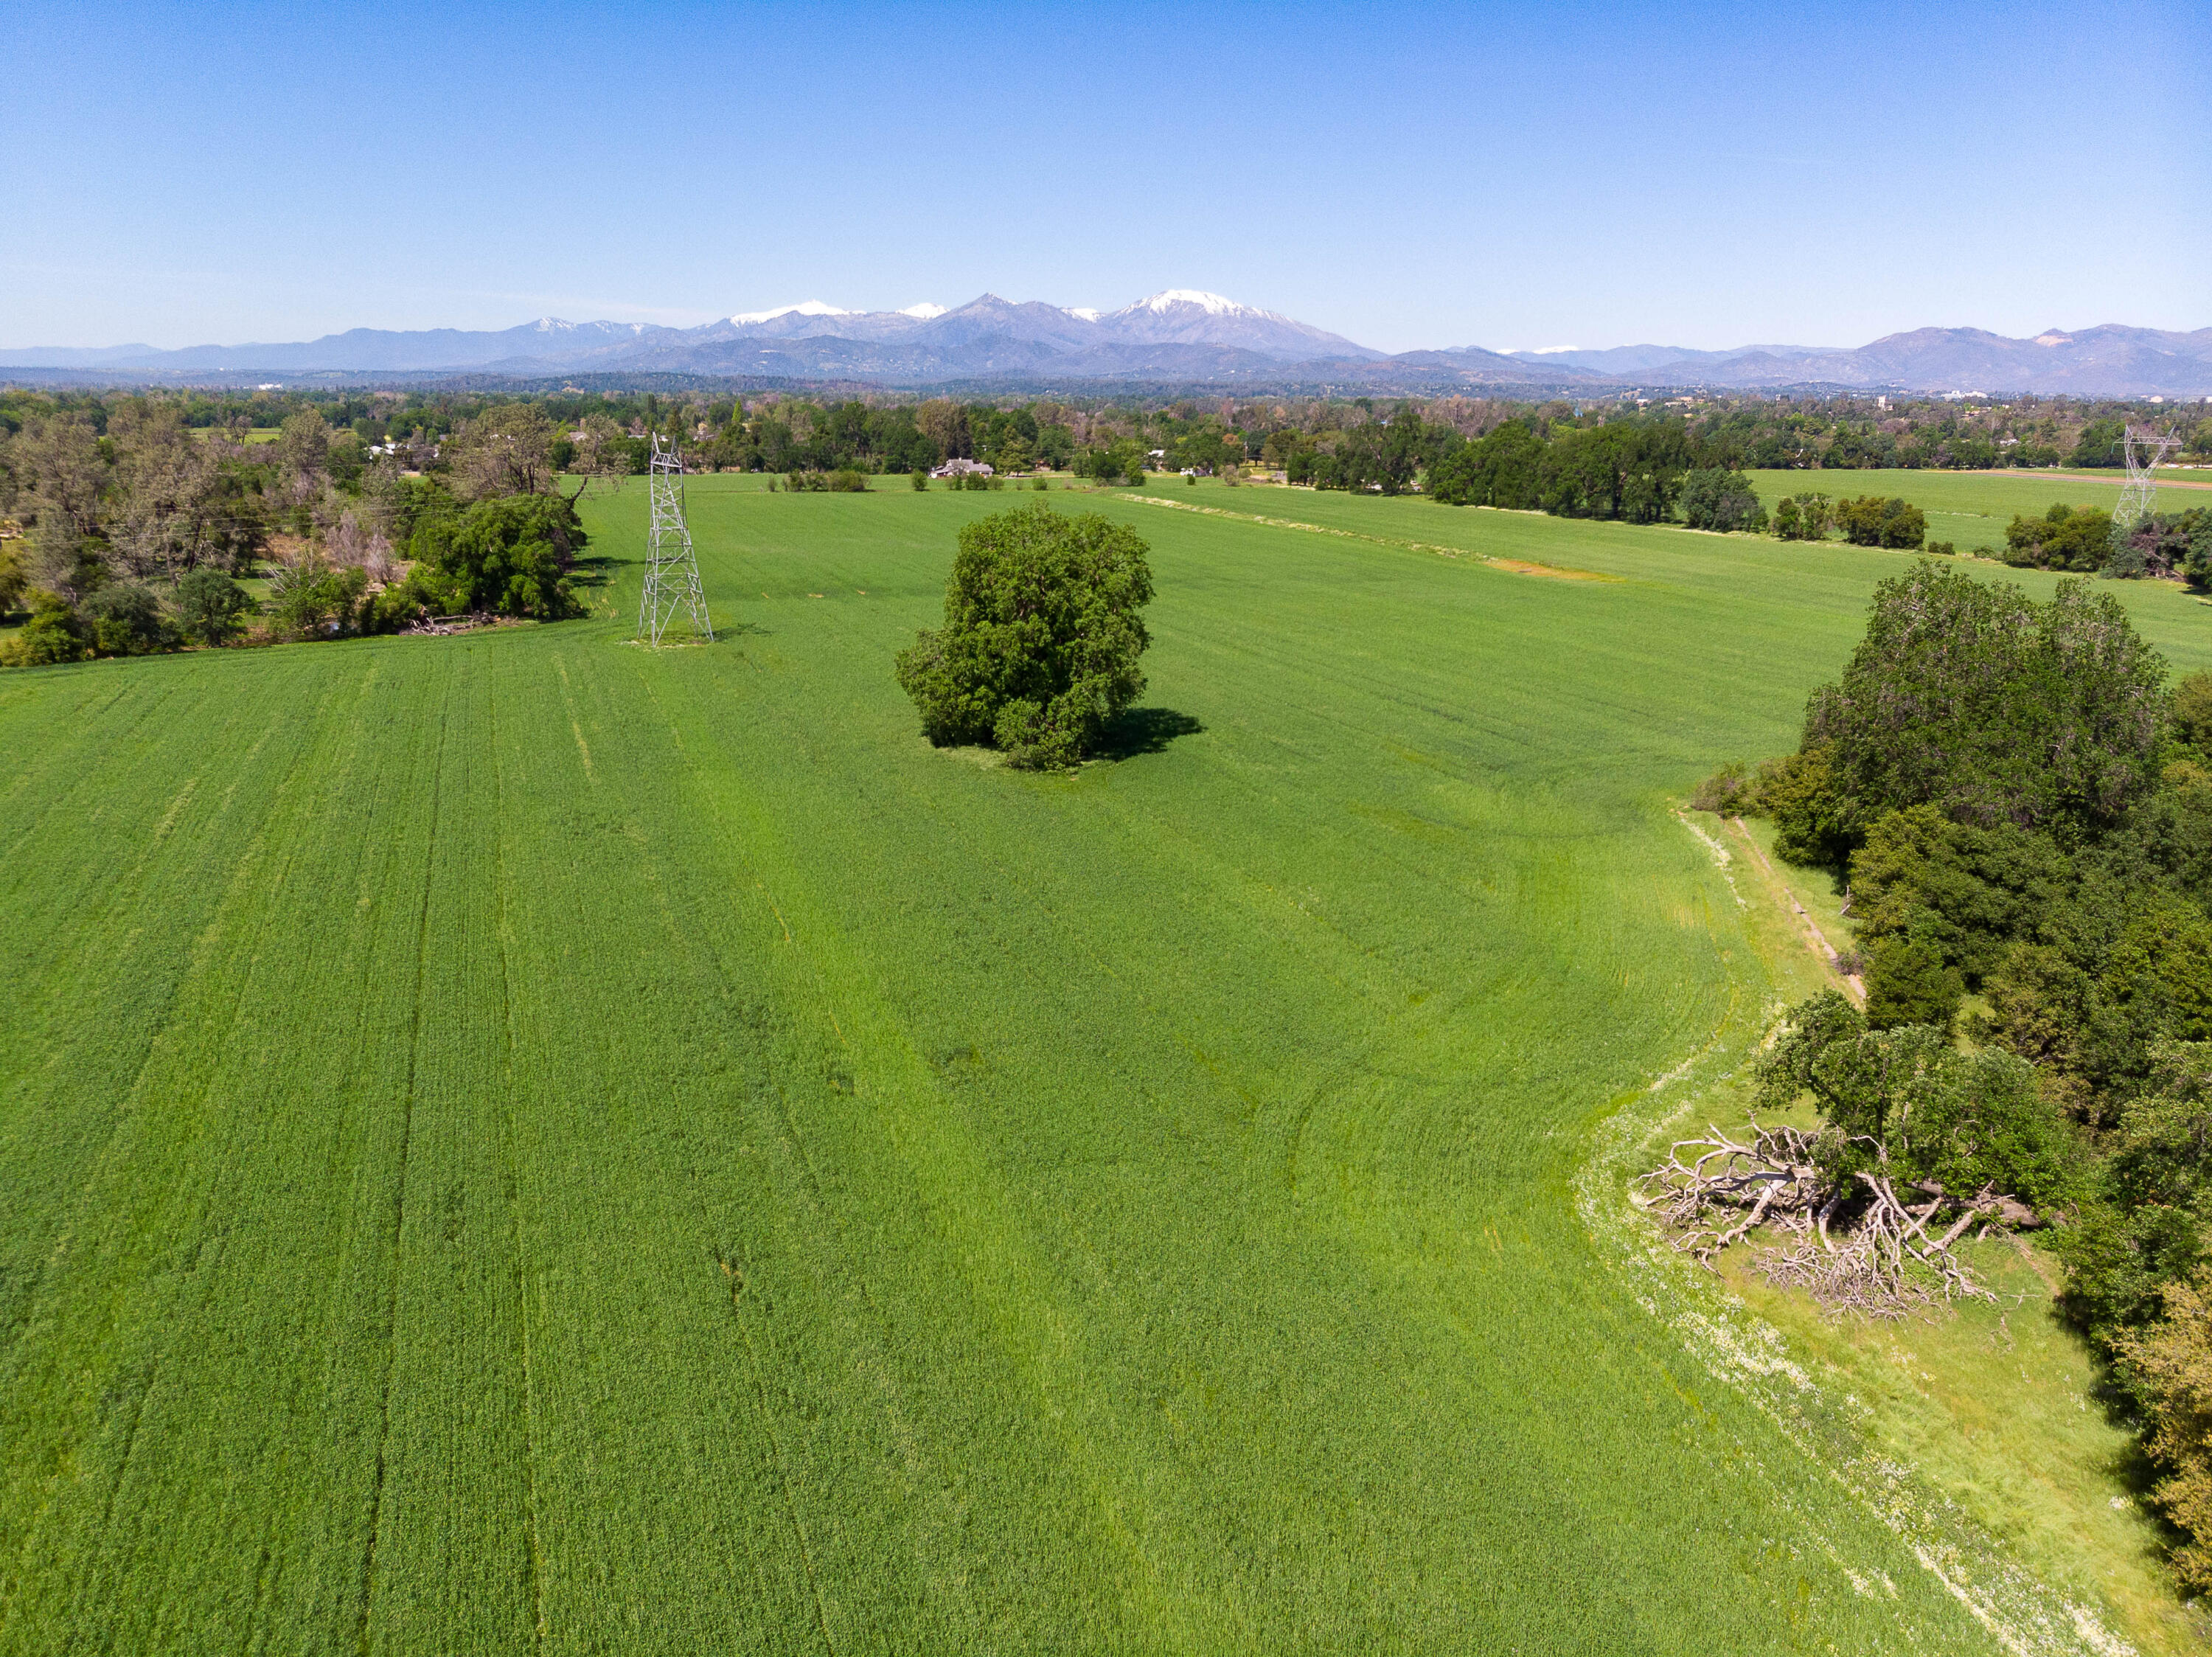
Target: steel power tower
2145,449
671,572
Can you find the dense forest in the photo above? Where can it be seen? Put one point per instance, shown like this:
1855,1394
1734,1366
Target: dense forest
2022,807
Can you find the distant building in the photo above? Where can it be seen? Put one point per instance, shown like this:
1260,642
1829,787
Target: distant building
961,468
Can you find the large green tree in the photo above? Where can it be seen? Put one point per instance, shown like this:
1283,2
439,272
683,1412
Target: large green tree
1968,695
1041,638
512,555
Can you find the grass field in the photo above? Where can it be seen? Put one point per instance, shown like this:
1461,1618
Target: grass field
516,1143
1971,508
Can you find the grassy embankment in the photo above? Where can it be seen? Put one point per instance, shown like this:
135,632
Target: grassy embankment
516,1139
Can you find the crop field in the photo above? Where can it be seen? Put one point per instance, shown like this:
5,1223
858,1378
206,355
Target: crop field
515,1142
1972,508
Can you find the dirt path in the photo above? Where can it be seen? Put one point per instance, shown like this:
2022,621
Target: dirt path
2082,478
1815,940
1515,566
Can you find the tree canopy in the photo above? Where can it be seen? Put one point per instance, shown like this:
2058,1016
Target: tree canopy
1970,695
510,555
1041,638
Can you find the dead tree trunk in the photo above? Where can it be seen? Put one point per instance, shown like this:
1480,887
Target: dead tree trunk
1852,1241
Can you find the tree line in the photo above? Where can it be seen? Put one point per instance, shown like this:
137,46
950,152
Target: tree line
134,536
2021,806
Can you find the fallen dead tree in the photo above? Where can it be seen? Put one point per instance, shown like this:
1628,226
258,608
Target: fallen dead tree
444,625
1855,1238
1919,1144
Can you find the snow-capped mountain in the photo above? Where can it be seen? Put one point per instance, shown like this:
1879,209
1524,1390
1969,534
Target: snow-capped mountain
1180,332
1175,316
808,307
1181,335
1187,316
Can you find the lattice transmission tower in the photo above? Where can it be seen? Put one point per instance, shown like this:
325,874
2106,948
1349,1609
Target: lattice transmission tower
2145,449
671,572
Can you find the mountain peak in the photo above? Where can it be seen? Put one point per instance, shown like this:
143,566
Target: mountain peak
1168,299
924,312
804,308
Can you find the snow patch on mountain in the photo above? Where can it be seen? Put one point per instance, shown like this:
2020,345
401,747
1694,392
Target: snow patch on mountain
806,307
1088,313
923,312
1212,304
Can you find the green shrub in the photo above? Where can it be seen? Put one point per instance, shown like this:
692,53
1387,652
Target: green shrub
210,605
510,556
1811,826
54,633
1804,517
2193,713
2170,1363
1041,638
314,601
127,621
920,480
2076,537
1908,982
1870,520
2196,562
1727,792
1722,501
14,576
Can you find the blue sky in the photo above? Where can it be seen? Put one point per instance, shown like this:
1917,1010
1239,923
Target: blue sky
1508,176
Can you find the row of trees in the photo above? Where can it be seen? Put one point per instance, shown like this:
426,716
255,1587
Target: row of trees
2023,810
135,536
2083,539
1347,442
1639,470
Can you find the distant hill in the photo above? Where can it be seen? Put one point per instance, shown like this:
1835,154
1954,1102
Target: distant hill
2103,362
548,341
1180,335
1630,361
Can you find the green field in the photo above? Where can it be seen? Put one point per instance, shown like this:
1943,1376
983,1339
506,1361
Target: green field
515,1141
1971,508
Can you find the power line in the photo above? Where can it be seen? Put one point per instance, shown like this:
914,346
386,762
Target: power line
671,572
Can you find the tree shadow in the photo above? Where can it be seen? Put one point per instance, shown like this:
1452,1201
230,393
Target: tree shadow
595,571
1144,730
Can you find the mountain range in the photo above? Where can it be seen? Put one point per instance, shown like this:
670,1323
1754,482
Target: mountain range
1181,335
